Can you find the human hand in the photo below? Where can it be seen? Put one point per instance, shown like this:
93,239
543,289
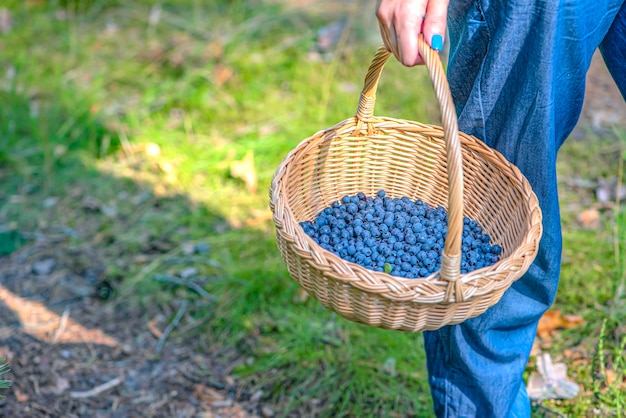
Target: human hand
401,22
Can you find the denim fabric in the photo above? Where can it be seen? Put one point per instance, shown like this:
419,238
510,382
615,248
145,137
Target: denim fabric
517,72
613,49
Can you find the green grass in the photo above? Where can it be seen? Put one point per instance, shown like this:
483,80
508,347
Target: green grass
208,83
4,368
593,280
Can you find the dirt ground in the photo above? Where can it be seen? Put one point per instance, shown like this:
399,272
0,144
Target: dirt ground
108,364
117,361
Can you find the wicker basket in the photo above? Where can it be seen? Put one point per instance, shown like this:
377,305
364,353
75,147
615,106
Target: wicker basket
437,165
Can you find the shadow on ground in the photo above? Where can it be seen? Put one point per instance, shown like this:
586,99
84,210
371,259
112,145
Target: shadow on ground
102,270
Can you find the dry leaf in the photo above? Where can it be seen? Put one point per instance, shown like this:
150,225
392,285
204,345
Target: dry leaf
303,296
222,74
20,396
154,329
552,320
611,377
258,217
589,218
574,354
207,394
245,170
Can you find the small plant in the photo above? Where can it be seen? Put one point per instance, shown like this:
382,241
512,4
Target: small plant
608,383
4,368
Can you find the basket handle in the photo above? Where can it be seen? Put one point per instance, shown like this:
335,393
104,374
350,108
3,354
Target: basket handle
451,257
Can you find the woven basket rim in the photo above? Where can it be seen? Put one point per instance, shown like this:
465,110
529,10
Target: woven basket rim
395,288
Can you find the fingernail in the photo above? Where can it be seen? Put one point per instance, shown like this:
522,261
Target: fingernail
436,42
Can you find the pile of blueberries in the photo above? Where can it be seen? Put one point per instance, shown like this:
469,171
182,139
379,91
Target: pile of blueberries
398,236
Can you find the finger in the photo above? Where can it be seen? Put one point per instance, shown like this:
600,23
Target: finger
408,19
400,24
389,38
384,13
434,28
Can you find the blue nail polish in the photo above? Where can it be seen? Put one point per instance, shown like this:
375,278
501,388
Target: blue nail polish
436,42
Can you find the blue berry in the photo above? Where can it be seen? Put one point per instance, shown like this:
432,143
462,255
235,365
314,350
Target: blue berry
407,235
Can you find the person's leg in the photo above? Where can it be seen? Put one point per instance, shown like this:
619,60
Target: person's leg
613,48
517,74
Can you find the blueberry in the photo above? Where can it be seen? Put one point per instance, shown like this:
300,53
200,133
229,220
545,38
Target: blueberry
374,230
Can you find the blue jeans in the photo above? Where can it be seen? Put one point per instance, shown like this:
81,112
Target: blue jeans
517,72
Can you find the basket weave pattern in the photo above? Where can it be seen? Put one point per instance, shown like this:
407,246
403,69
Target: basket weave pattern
438,165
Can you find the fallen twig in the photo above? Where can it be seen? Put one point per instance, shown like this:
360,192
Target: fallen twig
189,283
98,389
172,325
